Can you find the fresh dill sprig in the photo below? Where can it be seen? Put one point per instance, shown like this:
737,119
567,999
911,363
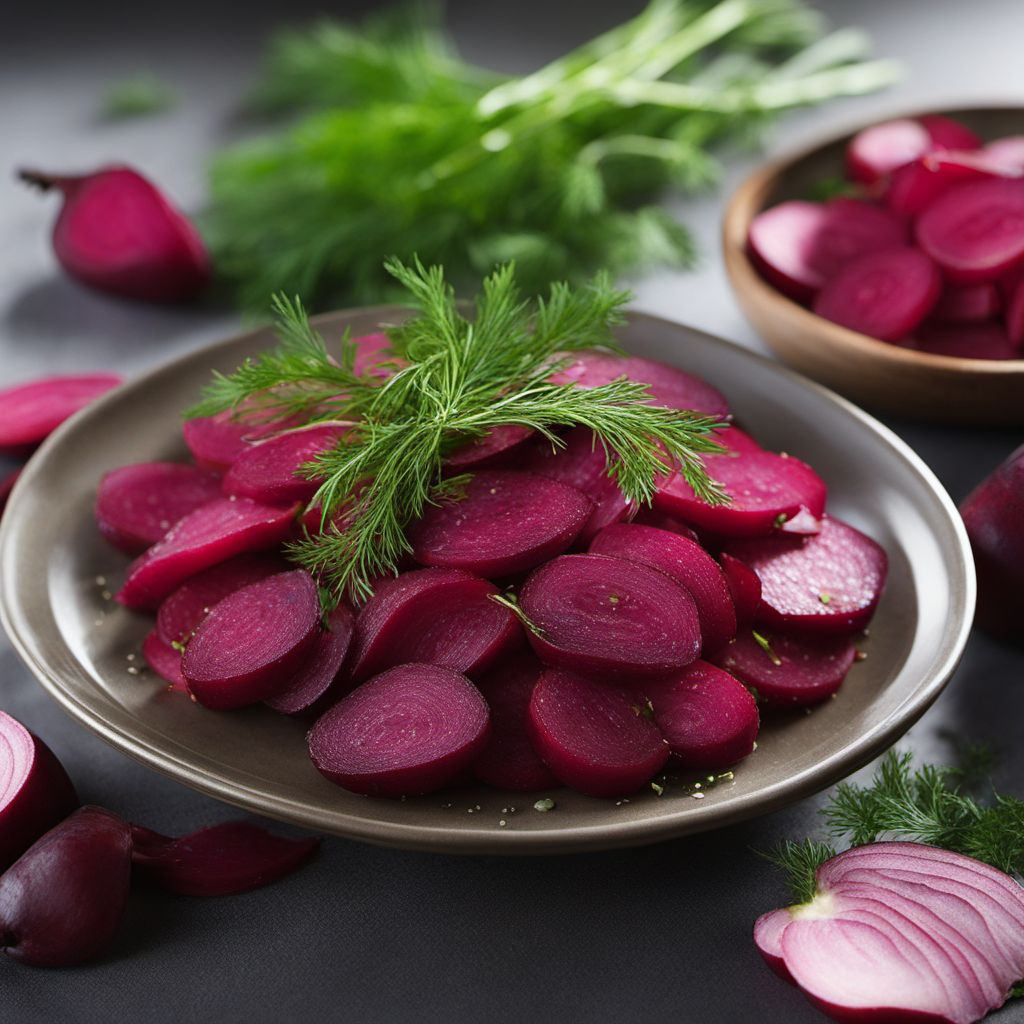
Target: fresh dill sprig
800,861
141,96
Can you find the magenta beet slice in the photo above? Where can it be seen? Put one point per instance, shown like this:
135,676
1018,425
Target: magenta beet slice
29,412
269,471
708,717
210,535
496,448
975,231
788,669
7,485
967,341
233,857
765,491
648,516
506,522
737,440
408,731
744,587
35,791
917,185
1014,317
315,683
687,563
251,644
164,660
882,294
216,442
437,616
593,736
371,351
968,303
62,901
606,616
877,151
136,505
830,582
1007,153
947,133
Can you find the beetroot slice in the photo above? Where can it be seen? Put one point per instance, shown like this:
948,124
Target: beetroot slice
947,133
917,185
509,760
878,150
136,505
830,582
793,670
210,535
233,857
437,616
967,341
1007,153
216,442
35,791
765,491
164,660
496,448
975,231
687,563
593,735
1014,319
250,645
409,731
315,683
736,440
744,586
707,716
607,616
882,294
968,303
269,471
648,516
371,351
29,412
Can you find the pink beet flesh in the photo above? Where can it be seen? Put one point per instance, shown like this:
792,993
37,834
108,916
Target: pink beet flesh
30,412
437,616
948,133
968,303
592,735
498,447
607,616
251,644
707,716
504,523
744,586
883,294
687,563
212,534
509,760
408,731
137,505
966,341
164,660
877,151
765,491
217,442
793,670
219,861
830,582
62,901
917,185
35,791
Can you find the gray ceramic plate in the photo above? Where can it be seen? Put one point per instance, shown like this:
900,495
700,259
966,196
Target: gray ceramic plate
82,646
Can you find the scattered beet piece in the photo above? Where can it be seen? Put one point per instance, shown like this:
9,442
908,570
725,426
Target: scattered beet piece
877,151
164,660
744,586
968,304
496,448
966,341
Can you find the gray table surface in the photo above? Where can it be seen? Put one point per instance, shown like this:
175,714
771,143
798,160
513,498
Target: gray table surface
371,935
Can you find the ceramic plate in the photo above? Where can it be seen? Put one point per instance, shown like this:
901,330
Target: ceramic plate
57,574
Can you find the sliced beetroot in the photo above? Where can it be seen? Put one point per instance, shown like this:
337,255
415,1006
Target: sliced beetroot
914,187
593,735
7,483
648,516
966,341
496,448
136,505
269,471
30,412
687,563
408,731
1014,318
217,441
509,760
164,660
764,489
787,669
371,351
210,535
233,857
437,616
251,644
830,582
877,151
975,231
883,294
35,791
744,587
736,440
968,303
708,717
948,133
1007,153
317,681
607,616
62,901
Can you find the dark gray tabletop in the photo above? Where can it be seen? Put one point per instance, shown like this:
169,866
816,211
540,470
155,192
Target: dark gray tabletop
371,935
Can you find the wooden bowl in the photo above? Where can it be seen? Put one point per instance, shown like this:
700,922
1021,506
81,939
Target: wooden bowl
872,372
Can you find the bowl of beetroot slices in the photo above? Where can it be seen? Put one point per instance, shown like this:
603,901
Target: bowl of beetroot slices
887,262
690,665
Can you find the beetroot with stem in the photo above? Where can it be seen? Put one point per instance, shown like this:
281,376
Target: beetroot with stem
877,151
411,730
503,523
210,535
498,447
439,616
136,505
968,303
62,901
164,660
118,233
606,616
251,644
966,341
593,736
35,791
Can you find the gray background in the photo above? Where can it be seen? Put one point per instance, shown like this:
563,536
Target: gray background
368,935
